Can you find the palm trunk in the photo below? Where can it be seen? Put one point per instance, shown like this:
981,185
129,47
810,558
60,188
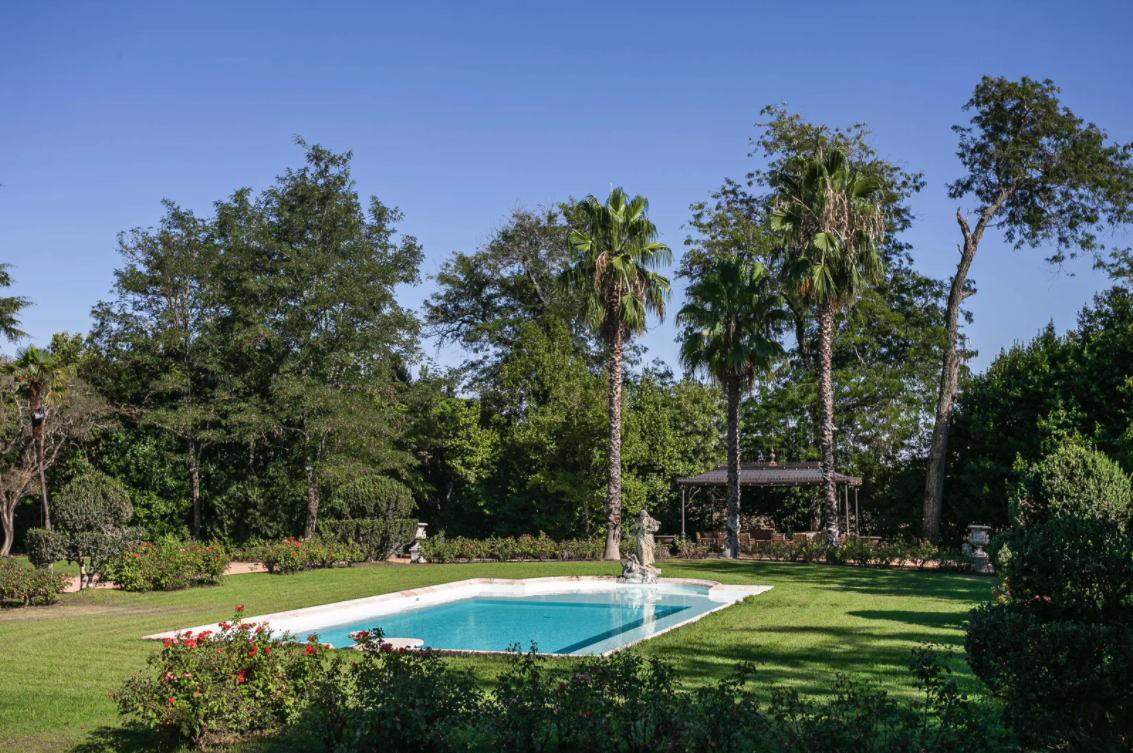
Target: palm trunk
312,500
826,419
732,540
614,480
37,437
195,476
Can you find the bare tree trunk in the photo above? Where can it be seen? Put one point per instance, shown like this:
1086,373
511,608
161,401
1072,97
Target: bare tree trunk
949,381
826,418
732,539
195,476
312,500
8,523
614,486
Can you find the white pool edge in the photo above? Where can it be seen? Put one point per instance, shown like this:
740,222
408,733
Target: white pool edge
299,621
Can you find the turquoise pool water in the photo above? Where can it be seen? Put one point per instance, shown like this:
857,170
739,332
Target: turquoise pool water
578,623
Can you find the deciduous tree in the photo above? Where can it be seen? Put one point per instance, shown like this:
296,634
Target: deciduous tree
1043,177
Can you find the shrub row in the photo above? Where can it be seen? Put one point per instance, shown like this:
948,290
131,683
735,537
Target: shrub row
503,549
378,538
22,586
292,555
862,553
216,688
167,565
541,547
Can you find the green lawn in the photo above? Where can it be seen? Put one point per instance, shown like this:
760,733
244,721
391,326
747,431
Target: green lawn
58,663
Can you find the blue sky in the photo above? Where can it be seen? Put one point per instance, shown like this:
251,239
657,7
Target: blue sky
460,112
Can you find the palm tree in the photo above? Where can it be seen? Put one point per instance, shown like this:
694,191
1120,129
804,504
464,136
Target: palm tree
729,323
828,213
43,380
616,252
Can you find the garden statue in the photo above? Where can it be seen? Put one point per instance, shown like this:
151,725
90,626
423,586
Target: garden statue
637,567
645,528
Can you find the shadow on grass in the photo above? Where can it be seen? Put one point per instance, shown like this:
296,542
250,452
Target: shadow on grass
128,739
941,620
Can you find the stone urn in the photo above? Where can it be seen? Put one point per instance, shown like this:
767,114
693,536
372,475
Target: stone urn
415,556
978,538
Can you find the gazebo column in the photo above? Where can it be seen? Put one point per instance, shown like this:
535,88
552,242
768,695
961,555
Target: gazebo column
684,490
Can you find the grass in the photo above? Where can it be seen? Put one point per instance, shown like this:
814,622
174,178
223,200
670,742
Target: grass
58,663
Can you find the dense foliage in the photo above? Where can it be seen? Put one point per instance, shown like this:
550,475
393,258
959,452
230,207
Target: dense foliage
1057,645
1032,399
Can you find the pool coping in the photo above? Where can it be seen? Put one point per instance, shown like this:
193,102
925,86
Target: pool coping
441,593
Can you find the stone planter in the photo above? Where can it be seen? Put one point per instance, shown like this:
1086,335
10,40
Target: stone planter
978,538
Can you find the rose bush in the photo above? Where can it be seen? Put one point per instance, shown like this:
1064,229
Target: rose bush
293,555
219,686
167,564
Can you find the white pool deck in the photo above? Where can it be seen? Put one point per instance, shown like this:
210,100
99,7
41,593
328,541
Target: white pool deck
301,621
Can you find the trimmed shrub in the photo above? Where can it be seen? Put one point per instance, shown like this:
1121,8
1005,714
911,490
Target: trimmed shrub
1057,646
91,512
22,586
218,687
377,539
372,498
1073,480
167,565
45,547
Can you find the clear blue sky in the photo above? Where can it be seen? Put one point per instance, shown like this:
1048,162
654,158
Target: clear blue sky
459,112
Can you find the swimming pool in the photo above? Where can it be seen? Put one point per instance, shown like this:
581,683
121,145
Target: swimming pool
571,616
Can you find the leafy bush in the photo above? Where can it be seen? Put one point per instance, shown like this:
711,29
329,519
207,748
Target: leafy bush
25,586
292,555
1057,646
378,539
858,551
1073,480
167,565
415,700
218,687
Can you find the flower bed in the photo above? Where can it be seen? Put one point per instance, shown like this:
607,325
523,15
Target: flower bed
167,565
293,555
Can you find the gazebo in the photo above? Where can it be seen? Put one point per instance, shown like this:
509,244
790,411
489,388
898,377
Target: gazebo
772,474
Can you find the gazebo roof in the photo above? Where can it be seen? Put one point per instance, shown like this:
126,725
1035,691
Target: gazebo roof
769,474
